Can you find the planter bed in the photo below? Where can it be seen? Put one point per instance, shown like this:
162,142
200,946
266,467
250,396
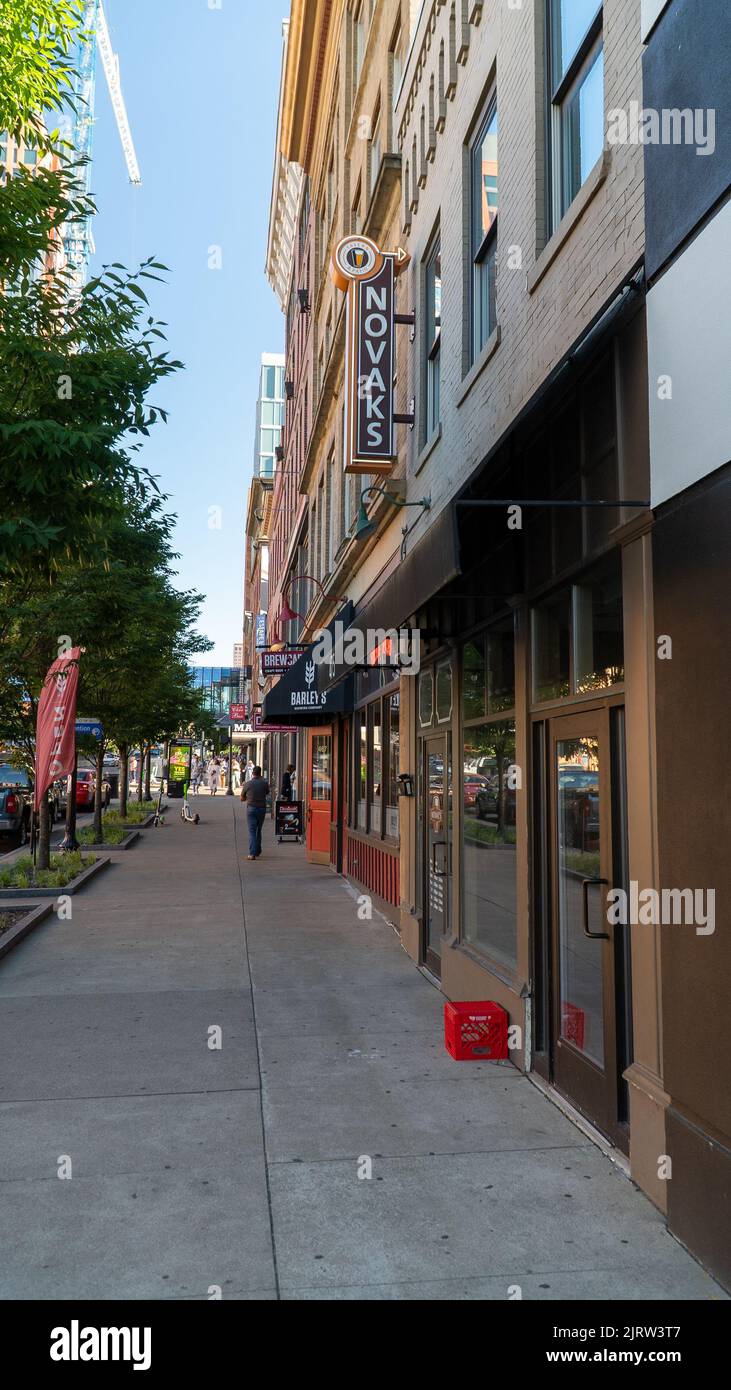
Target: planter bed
26,919
143,824
129,840
12,895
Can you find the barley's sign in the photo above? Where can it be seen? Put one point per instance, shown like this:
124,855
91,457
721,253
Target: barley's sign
368,277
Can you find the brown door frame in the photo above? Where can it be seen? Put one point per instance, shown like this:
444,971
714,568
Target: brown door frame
433,961
592,1089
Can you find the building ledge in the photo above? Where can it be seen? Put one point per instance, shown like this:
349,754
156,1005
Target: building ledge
388,179
428,449
569,220
478,367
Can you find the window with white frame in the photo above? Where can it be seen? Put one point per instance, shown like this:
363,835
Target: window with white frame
485,170
576,98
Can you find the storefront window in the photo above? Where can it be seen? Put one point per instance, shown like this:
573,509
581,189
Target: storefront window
501,668
489,894
598,629
375,739
393,714
552,648
444,692
426,699
578,636
473,680
362,769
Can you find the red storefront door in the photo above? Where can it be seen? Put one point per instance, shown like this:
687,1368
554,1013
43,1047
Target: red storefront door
319,794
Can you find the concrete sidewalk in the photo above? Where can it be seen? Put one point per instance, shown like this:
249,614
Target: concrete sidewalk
237,1169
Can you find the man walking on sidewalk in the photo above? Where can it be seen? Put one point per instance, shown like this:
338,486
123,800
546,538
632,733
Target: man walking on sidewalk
255,795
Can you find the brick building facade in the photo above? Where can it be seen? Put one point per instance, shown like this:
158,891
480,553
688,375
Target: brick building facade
490,801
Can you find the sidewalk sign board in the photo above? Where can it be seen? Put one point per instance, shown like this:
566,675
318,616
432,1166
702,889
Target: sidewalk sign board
288,820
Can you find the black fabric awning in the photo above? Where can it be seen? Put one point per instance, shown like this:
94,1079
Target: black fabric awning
432,564
304,696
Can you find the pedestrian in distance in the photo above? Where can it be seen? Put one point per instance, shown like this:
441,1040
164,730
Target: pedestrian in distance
212,775
196,775
255,794
287,784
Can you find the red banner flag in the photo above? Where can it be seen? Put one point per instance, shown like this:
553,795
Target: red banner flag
56,728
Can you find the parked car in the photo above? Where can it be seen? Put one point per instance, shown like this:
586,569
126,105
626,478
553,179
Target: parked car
486,802
86,788
16,803
472,786
579,791
111,774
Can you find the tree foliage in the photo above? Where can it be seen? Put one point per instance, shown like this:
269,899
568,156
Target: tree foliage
37,41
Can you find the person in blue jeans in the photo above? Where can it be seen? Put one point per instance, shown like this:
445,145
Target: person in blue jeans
255,794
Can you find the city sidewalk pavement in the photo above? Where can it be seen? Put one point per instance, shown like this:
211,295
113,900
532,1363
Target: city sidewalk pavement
244,1169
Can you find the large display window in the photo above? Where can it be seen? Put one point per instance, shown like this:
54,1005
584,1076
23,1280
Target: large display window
489,785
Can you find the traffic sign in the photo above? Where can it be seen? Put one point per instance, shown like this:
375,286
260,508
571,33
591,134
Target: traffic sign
89,729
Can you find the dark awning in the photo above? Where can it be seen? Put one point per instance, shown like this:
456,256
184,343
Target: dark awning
304,696
432,564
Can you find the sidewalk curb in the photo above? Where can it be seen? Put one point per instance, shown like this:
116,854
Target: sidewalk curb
16,934
10,895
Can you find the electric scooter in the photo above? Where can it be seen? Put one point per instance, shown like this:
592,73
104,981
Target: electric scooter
186,815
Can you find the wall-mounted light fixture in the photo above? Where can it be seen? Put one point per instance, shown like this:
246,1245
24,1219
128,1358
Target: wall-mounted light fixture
304,301
366,526
289,389
406,784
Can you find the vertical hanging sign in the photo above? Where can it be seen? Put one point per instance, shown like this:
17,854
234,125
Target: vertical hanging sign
367,275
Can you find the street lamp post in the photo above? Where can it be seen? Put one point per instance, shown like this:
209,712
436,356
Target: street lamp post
230,787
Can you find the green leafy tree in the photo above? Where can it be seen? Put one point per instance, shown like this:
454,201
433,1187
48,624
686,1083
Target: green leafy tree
37,41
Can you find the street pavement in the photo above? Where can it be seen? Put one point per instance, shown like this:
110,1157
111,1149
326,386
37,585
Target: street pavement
328,1149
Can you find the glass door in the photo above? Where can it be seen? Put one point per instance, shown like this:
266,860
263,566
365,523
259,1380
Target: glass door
585,993
435,782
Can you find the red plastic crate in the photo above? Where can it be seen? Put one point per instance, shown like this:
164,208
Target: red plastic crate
476,1032
572,1024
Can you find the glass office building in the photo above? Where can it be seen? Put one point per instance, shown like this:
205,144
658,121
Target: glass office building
220,684
269,414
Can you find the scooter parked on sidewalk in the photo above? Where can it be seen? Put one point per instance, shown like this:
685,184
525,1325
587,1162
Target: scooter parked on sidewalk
186,815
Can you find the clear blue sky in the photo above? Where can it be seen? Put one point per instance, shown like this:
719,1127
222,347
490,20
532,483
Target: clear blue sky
201,87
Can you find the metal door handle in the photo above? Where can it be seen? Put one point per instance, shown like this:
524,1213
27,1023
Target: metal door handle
438,873
592,935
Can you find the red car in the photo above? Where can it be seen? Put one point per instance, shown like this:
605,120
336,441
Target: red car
85,788
472,784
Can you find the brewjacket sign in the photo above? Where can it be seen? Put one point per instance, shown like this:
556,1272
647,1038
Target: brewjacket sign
367,276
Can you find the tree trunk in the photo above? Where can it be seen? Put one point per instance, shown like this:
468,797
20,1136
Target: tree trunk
141,778
70,843
98,827
44,835
123,775
148,773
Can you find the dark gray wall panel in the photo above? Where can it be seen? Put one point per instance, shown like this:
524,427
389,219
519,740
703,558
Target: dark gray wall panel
687,63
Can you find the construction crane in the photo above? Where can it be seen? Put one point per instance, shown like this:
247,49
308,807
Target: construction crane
78,238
